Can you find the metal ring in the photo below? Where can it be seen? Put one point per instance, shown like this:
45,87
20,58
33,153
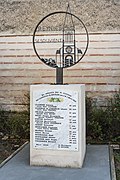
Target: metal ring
61,12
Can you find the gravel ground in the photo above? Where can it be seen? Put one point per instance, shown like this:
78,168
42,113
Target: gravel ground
21,16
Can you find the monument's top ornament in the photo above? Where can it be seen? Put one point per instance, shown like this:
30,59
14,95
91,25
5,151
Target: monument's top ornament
68,21
60,40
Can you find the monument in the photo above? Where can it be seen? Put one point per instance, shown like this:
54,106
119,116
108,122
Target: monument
57,111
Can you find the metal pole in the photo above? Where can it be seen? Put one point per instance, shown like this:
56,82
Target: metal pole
59,75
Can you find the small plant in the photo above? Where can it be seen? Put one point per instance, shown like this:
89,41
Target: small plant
16,124
112,116
3,120
103,124
94,116
19,124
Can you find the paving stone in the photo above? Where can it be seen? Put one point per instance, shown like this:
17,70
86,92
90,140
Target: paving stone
96,167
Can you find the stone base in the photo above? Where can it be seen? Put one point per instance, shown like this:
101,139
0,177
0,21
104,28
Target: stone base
57,125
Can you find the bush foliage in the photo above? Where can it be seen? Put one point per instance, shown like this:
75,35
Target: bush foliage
15,124
103,123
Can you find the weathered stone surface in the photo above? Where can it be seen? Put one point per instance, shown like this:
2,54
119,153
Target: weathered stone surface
18,16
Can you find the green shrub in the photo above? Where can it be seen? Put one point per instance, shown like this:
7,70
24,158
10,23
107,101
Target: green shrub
19,124
4,116
112,117
103,124
94,117
15,124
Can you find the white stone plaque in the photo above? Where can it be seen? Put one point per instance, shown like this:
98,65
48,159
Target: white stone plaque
55,119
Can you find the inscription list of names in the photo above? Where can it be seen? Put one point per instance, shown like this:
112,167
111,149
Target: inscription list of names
55,117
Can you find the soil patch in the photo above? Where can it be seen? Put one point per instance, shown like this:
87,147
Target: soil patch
7,147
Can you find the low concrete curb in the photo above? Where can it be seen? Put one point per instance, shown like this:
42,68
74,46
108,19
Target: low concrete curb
112,161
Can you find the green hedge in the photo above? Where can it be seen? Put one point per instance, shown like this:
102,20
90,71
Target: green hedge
103,123
15,124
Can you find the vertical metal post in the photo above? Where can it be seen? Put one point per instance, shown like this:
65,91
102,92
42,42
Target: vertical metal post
59,75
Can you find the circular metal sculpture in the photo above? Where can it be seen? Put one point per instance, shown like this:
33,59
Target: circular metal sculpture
60,40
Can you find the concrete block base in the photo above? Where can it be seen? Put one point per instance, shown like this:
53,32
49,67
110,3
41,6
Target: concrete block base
57,125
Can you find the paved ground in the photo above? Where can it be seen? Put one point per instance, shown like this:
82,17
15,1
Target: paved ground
96,167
